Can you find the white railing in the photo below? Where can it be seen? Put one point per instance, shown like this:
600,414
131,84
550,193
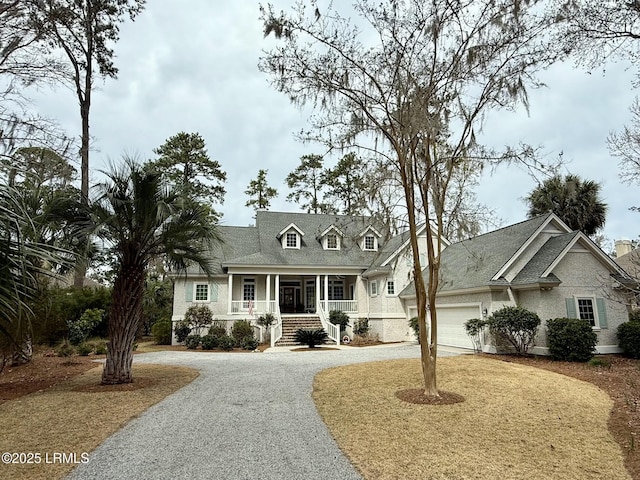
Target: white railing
333,331
276,327
347,306
254,307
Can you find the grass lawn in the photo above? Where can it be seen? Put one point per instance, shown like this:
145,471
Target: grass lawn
517,422
78,414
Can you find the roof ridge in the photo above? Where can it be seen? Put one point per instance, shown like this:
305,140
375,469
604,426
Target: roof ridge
504,228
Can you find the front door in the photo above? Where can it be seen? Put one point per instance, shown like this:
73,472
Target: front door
288,300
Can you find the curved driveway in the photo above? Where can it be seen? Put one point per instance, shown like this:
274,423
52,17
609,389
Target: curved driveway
247,416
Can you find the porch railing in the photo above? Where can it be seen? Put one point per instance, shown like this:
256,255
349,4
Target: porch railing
347,306
276,326
333,331
253,307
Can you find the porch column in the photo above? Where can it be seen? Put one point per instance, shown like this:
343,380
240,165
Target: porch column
277,292
268,306
326,293
317,292
230,294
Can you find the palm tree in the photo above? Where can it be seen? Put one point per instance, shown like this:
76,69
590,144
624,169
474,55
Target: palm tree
143,221
577,202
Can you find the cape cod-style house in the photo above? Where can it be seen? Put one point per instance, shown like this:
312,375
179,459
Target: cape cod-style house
300,267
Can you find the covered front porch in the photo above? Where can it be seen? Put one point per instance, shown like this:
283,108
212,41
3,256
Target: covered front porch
288,294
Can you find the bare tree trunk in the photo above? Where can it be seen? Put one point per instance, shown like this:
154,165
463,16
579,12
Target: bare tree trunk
124,318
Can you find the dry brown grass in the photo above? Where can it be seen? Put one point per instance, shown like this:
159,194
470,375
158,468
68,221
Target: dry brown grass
79,414
517,422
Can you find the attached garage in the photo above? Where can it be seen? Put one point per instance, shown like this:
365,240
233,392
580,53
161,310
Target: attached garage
451,320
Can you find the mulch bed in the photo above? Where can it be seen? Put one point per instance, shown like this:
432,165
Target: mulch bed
417,396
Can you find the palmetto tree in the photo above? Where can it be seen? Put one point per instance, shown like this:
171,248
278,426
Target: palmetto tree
142,220
577,202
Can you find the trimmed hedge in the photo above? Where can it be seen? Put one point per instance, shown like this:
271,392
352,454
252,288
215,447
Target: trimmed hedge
571,339
629,338
516,326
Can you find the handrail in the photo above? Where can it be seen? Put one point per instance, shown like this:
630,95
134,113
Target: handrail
333,331
276,326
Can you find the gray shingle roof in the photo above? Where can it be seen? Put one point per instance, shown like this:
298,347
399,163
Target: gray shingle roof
259,244
548,253
474,262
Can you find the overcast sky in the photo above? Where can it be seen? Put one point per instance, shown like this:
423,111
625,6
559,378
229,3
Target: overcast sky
195,70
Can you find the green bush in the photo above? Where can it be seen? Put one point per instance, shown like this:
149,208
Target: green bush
629,338
240,330
474,327
311,338
266,320
161,332
249,343
226,343
198,317
55,308
516,326
100,347
193,341
571,339
218,329
338,317
65,349
413,323
182,331
84,349
81,329
209,342
361,327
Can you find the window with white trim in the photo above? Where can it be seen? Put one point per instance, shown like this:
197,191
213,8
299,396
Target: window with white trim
369,242
391,287
373,288
248,291
587,310
201,292
336,290
332,241
291,240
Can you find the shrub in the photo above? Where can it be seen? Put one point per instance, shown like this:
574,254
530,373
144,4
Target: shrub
266,320
338,317
571,339
193,341
516,326
65,349
634,316
311,337
198,317
629,338
474,327
249,343
161,332
79,330
209,342
218,329
226,343
600,362
84,349
413,323
361,327
182,330
240,330
100,348
366,339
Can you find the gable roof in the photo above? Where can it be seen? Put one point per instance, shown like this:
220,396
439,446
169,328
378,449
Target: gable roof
483,261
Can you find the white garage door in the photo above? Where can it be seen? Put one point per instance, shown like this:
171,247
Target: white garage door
450,324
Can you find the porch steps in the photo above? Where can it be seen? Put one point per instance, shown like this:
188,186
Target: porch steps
290,326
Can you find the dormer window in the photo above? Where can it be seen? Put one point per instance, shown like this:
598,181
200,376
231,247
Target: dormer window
369,239
369,242
291,236
292,240
331,238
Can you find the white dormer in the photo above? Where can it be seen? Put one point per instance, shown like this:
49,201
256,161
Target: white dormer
369,239
291,236
331,238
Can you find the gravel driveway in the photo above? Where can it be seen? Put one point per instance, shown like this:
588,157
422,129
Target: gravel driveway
247,416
